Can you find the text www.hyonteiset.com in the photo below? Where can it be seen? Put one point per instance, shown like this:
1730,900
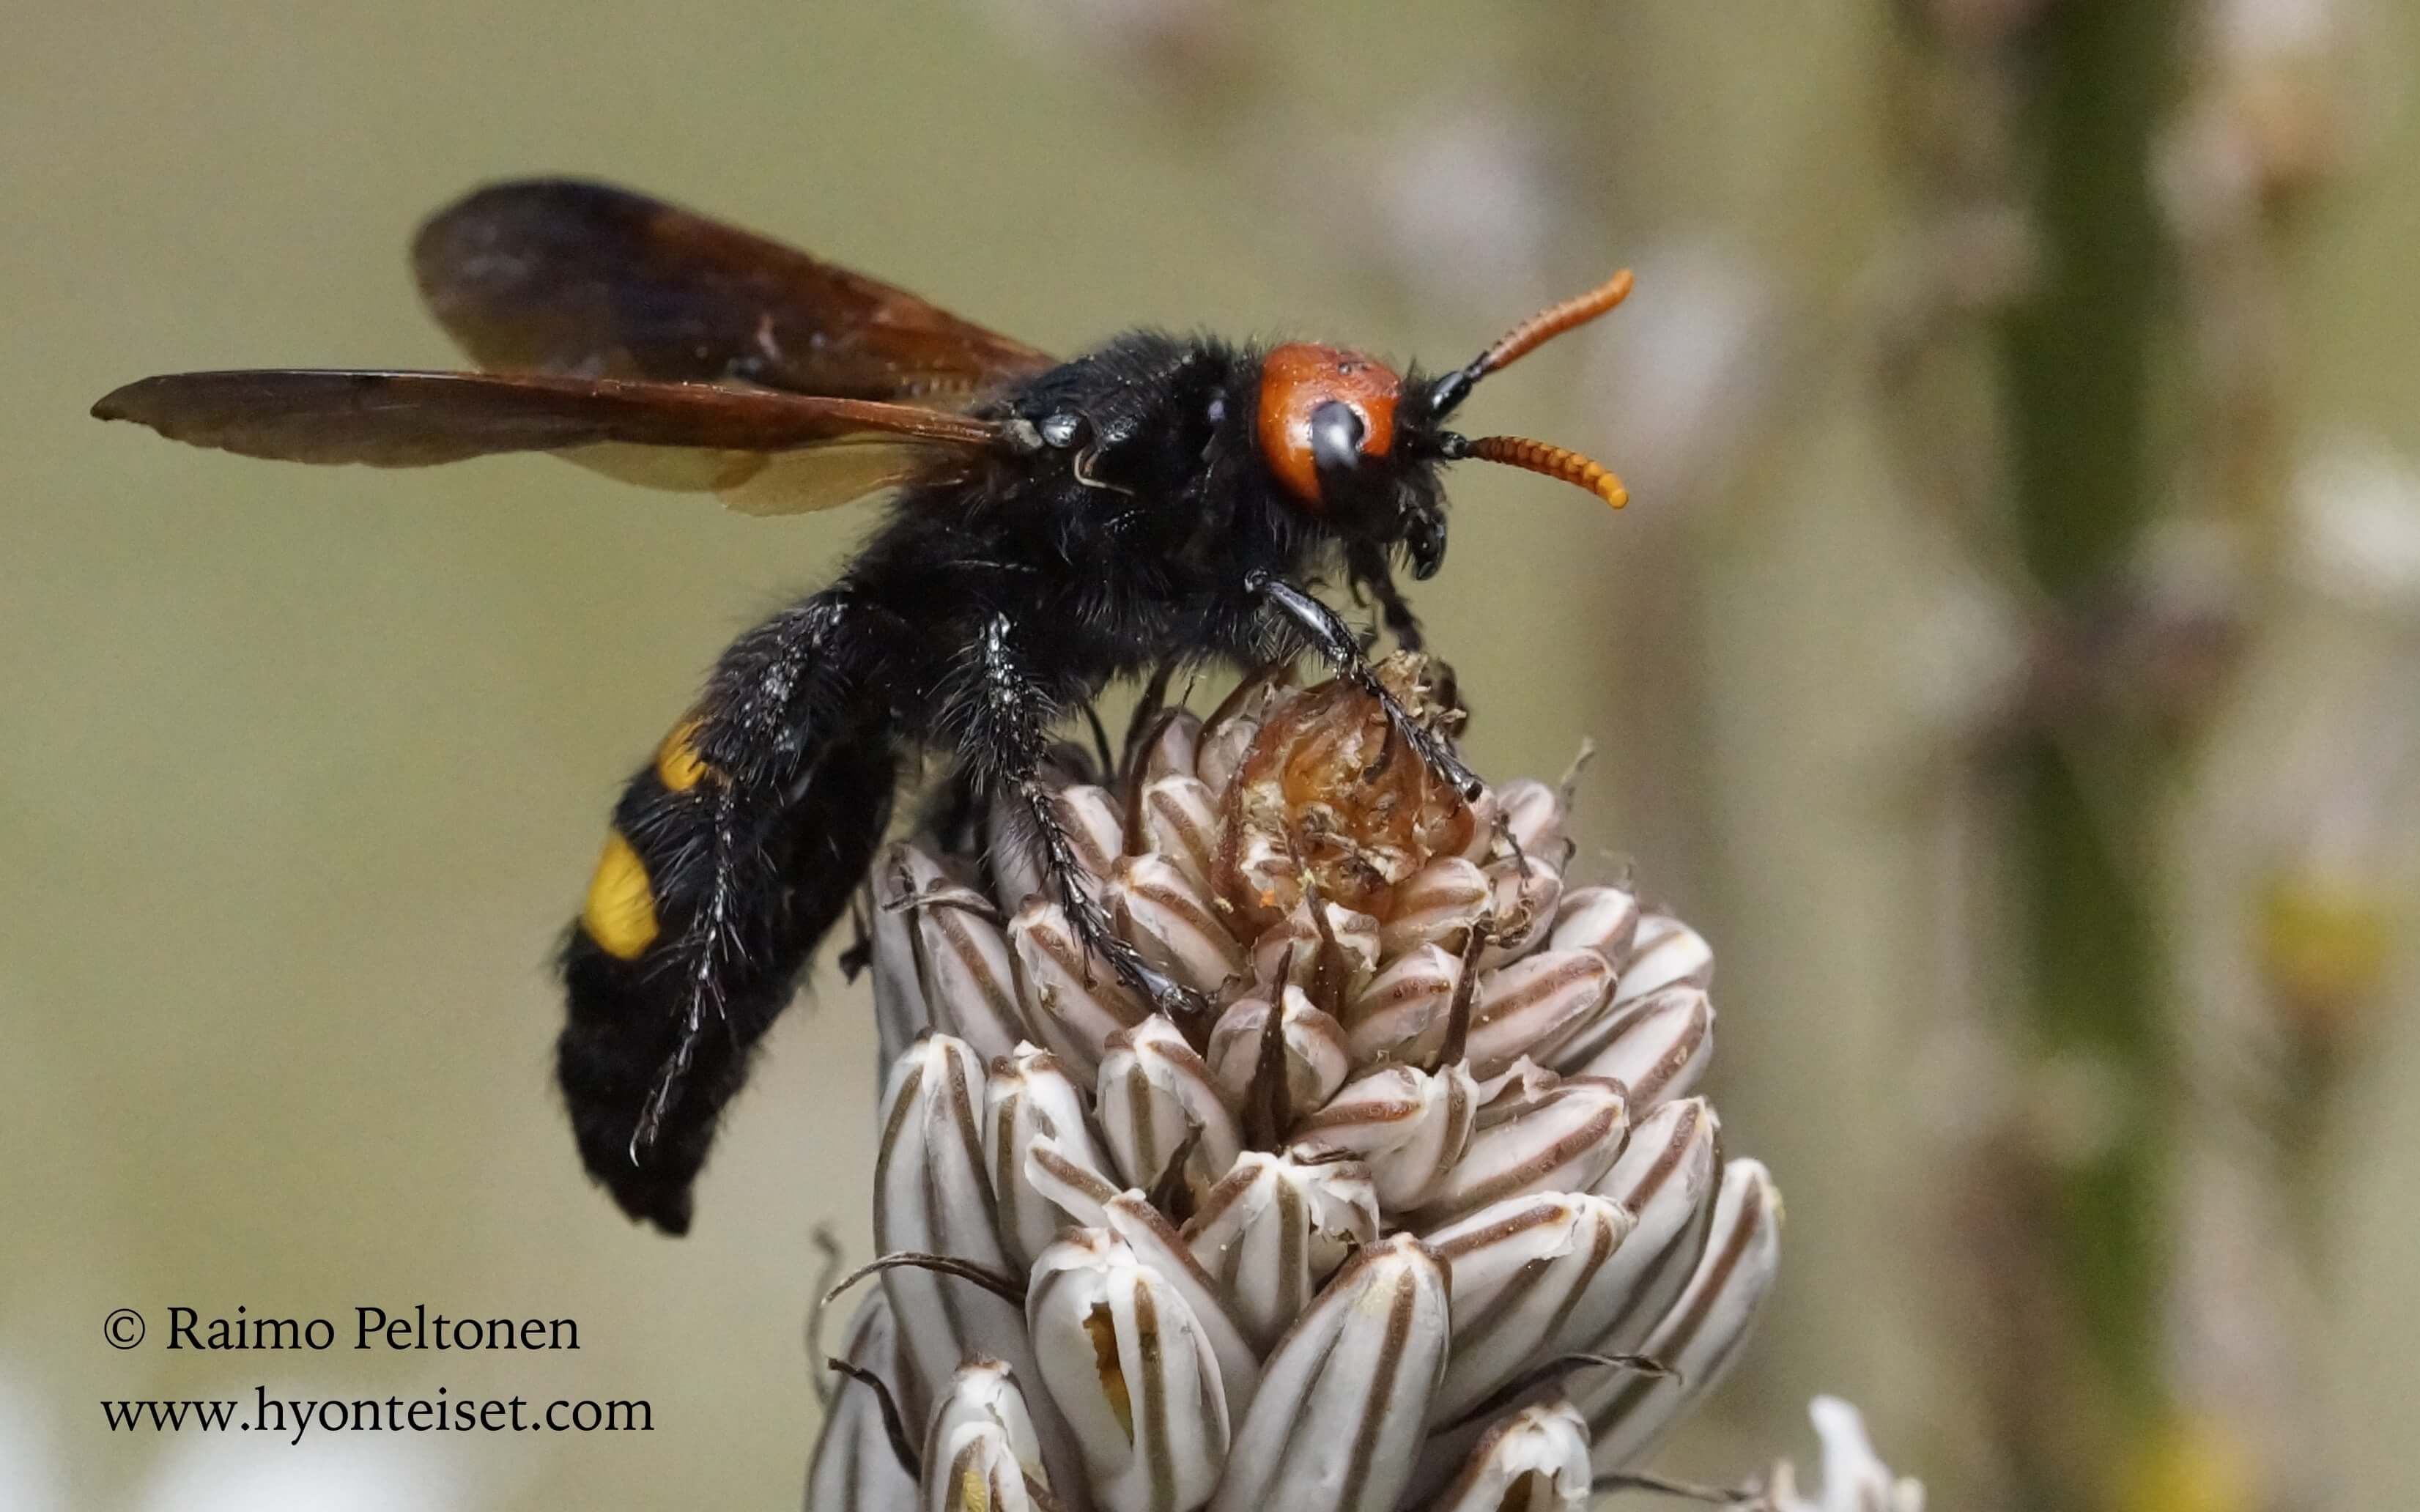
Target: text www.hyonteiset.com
291,1417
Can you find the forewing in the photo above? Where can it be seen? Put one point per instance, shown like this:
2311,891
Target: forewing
765,451
565,276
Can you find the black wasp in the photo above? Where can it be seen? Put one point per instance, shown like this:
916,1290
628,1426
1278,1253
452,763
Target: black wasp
1056,526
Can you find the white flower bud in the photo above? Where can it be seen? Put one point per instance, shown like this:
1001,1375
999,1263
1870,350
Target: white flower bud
1533,816
1096,827
981,1446
962,958
931,1196
1664,953
1524,1075
1028,1097
1604,920
1534,1461
1128,1365
1666,1176
1700,1336
1656,1047
1344,1399
1274,1229
1179,817
1158,1243
1544,1134
1153,1093
1410,1126
1486,815
1522,895
1073,1003
1854,1477
1401,1016
1437,905
1335,953
1535,1004
1163,913
1532,1280
1069,1182
1316,1057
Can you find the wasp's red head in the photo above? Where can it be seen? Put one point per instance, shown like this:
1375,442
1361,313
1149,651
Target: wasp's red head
1351,442
1329,429
1324,413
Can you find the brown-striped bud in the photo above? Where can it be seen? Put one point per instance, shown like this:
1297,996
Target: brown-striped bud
1344,1399
1128,1366
1154,1096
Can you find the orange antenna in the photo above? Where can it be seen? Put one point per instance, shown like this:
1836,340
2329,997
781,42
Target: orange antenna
1551,460
1528,337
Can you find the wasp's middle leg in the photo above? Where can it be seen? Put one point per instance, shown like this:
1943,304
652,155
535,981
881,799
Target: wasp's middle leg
1004,738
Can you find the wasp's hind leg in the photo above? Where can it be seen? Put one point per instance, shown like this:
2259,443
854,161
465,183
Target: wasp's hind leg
1005,724
1316,623
731,853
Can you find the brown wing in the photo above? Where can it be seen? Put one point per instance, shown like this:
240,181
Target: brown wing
563,276
763,450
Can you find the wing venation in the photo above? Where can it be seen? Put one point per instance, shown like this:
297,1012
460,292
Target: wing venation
565,276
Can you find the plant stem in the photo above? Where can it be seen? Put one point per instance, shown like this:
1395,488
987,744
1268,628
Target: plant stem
2077,361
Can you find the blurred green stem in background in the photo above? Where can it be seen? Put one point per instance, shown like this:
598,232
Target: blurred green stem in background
2076,360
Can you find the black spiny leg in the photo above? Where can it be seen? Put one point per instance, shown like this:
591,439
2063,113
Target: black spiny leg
1007,736
1333,638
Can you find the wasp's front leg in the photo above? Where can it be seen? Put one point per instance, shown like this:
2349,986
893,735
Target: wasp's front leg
1004,736
1328,635
1372,575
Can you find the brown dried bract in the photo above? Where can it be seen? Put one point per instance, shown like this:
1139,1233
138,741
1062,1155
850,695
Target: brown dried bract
1328,791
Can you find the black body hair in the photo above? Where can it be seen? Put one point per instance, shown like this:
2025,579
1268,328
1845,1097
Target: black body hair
990,601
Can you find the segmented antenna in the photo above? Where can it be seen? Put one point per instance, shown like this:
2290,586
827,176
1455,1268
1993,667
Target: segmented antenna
1553,461
1528,337
1551,323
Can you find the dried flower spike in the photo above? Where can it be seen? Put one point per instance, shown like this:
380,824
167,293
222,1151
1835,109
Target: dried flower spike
1424,1216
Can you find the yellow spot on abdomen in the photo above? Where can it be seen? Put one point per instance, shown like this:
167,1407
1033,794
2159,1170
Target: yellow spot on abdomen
678,766
621,912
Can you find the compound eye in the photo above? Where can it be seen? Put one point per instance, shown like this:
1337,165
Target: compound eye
1322,410
1336,431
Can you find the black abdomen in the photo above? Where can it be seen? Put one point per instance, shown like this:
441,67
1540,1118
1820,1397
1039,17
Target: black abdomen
732,855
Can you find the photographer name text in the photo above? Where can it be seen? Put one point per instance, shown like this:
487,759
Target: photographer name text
372,1328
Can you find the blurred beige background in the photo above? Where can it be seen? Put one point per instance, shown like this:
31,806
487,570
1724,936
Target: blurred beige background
303,769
